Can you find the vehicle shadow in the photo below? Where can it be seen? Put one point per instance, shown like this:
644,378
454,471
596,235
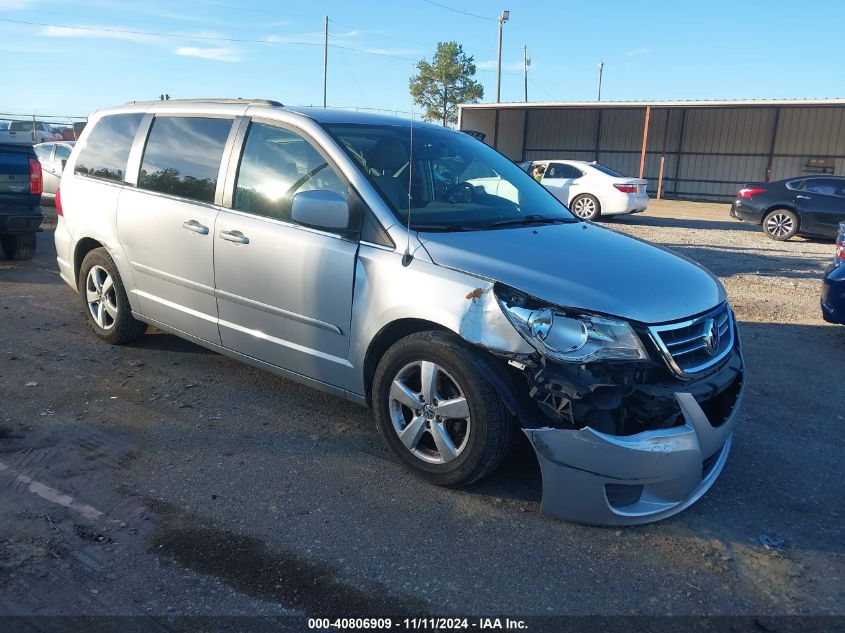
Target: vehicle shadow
681,223
160,341
782,477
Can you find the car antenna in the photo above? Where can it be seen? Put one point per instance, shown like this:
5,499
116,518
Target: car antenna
407,257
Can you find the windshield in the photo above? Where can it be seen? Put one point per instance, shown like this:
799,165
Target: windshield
456,182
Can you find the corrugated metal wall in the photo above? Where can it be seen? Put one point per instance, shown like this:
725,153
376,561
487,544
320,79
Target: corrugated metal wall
708,152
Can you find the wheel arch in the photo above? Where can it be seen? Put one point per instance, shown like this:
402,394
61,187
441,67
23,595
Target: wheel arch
82,248
494,369
386,337
778,207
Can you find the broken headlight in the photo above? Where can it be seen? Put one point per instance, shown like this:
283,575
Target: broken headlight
567,336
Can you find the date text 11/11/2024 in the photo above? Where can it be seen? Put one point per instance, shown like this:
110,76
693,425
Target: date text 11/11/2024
418,624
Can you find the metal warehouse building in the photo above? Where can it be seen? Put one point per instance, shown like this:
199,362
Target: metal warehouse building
707,148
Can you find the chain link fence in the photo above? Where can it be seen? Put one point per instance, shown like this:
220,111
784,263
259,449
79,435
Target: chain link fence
43,127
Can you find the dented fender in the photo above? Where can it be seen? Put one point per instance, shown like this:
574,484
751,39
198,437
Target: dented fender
485,325
457,301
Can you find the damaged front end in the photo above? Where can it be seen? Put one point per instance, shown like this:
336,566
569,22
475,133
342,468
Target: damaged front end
630,423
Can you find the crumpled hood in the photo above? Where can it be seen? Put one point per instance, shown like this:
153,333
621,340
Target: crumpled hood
583,266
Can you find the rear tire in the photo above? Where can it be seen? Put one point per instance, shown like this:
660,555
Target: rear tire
104,300
18,246
586,207
414,417
781,224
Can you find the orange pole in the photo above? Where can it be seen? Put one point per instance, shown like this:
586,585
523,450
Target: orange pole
645,139
660,178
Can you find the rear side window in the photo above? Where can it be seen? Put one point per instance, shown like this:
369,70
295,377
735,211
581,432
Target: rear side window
276,165
183,155
824,186
106,151
43,152
62,152
561,170
607,170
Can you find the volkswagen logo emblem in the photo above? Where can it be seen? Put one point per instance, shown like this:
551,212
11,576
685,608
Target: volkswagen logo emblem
711,337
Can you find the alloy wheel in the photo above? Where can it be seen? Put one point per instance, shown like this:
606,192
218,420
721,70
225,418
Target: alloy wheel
429,412
780,224
584,208
101,297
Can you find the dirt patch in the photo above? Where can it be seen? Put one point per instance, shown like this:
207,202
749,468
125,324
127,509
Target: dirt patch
248,565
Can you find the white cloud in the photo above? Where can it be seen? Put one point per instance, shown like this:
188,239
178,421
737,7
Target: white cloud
491,64
216,54
101,32
14,5
399,52
643,50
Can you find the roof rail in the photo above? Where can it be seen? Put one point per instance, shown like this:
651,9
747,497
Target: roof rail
264,102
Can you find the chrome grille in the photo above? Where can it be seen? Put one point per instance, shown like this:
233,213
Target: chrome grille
693,346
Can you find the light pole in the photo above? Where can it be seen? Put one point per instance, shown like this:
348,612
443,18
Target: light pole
601,69
502,19
525,64
325,61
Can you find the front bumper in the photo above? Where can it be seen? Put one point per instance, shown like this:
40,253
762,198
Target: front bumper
603,479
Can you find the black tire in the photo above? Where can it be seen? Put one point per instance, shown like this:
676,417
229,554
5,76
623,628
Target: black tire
18,246
586,207
490,428
781,224
122,328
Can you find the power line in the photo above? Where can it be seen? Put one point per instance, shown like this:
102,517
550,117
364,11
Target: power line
155,34
185,22
380,34
448,8
236,8
206,38
541,88
369,52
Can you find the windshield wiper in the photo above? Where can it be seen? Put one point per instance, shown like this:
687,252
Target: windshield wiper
527,220
444,227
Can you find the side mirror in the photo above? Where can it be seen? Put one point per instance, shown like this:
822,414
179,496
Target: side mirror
320,210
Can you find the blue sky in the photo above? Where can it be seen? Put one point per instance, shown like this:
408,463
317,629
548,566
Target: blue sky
720,49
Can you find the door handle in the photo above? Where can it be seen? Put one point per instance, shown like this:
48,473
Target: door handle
196,227
800,197
234,236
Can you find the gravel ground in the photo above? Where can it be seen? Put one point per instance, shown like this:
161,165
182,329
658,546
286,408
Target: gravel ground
162,479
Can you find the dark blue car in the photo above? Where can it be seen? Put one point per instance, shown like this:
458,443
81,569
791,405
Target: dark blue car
833,285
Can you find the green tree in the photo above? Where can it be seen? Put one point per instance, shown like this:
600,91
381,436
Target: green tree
448,80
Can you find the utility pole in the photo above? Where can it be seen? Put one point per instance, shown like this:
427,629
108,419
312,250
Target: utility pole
325,60
525,64
601,69
502,19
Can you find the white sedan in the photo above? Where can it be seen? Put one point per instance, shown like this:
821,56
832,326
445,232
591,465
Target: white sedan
591,190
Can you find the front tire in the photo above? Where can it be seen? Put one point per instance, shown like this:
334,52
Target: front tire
18,246
437,413
781,224
104,300
586,207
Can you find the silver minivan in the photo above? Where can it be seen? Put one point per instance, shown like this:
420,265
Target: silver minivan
415,270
